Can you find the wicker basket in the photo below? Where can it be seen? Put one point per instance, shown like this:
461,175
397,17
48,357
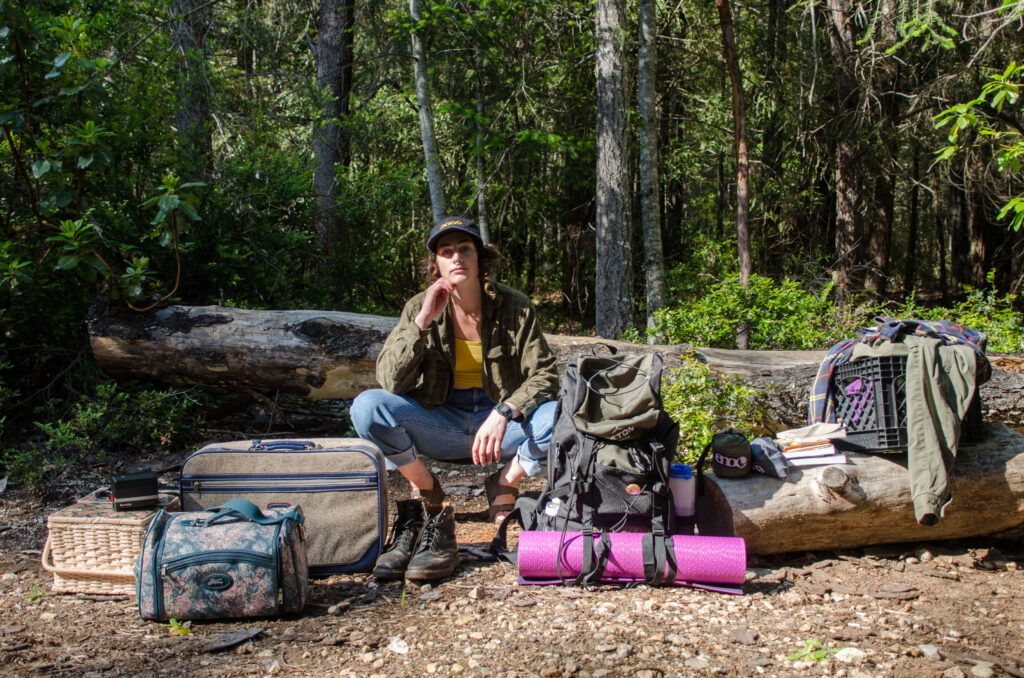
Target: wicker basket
91,548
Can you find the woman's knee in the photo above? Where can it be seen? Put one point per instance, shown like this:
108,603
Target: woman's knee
367,408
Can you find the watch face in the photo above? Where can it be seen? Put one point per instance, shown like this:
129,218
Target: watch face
504,410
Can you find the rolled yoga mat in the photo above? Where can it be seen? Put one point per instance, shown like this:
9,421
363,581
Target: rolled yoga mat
700,561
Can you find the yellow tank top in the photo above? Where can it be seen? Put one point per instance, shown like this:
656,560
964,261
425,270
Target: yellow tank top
469,364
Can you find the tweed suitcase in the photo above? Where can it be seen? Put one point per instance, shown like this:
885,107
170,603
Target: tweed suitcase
340,483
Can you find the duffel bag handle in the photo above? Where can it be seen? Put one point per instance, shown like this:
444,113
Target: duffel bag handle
249,511
279,445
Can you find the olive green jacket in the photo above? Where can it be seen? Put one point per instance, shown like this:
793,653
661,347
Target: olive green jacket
519,367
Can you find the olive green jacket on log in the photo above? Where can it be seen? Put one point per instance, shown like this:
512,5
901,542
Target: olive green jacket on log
518,366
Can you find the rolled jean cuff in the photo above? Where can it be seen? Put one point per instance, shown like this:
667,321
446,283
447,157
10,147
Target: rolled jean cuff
394,461
531,466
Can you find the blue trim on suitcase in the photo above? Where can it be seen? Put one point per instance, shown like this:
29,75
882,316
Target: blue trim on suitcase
364,564
376,458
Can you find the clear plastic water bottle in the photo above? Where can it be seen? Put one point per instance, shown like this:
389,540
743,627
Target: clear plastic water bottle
684,494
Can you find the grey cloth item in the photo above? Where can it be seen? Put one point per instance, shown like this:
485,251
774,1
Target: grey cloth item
767,458
941,381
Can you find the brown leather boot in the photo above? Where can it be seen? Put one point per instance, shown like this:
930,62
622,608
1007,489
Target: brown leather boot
409,521
437,553
433,499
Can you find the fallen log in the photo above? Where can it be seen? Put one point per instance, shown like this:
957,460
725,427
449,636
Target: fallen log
330,354
867,501
312,354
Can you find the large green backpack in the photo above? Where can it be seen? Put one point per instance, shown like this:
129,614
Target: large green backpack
609,459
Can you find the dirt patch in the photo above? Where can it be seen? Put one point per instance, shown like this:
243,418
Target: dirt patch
951,609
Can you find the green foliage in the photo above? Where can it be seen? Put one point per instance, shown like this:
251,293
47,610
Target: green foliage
985,115
179,628
36,594
778,316
702,402
813,650
115,420
31,466
989,312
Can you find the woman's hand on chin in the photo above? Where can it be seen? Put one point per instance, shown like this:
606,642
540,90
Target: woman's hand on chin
434,302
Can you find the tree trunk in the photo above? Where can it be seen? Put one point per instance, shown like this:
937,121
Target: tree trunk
654,263
847,199
739,118
481,177
913,227
426,112
331,143
613,298
867,501
195,144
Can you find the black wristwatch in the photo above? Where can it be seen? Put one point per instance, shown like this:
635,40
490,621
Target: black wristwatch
505,410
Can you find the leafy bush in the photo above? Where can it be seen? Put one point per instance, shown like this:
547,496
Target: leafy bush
702,403
778,315
110,421
982,310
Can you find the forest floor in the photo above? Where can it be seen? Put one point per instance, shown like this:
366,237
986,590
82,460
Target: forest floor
941,609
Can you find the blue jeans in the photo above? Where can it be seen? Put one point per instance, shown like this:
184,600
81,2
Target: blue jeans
403,429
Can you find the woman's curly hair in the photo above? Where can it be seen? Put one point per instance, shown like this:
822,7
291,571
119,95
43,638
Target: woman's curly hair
488,257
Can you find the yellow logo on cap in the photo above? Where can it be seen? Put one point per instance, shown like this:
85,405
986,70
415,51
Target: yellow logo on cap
453,222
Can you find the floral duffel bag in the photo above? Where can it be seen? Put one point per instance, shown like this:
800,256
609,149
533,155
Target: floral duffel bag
226,562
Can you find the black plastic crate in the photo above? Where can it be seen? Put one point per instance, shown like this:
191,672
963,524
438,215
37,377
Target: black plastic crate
870,400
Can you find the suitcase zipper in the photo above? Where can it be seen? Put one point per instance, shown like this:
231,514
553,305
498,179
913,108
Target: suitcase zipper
200,484
225,556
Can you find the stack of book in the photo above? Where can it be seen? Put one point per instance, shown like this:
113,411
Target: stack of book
813,453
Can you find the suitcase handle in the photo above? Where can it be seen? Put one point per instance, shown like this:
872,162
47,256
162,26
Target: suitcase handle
278,445
249,511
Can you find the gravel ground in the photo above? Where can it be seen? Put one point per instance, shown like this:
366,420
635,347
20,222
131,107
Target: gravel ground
946,609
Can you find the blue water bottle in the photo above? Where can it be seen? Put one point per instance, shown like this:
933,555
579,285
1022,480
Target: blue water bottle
684,495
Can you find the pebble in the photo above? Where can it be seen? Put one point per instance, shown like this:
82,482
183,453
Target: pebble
47,616
929,651
9,577
954,672
982,670
274,667
851,655
476,593
398,646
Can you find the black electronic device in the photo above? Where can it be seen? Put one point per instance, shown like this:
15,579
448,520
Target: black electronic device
135,491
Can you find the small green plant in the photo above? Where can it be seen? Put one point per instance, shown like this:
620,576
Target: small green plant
36,594
31,466
702,402
402,602
813,650
179,628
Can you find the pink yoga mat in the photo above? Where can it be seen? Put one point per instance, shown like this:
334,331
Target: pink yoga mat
699,560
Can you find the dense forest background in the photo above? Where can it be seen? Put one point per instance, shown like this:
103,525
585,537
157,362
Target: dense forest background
270,154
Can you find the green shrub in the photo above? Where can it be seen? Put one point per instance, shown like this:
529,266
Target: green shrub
779,316
983,310
702,402
115,421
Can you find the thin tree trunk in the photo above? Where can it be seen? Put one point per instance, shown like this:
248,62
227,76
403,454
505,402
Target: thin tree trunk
426,111
331,143
739,117
654,262
195,144
846,183
481,177
912,226
613,298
